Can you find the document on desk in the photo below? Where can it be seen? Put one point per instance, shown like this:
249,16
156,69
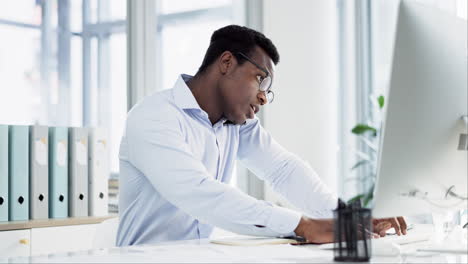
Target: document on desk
251,241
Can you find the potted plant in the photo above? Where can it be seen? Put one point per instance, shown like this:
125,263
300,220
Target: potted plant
369,136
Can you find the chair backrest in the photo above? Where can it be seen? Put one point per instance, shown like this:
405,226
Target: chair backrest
106,234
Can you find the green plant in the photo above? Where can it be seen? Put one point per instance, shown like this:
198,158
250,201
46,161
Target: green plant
368,134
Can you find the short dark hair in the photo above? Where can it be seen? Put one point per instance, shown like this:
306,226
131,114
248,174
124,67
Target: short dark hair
237,39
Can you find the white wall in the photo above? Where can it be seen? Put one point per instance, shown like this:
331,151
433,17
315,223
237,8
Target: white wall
303,117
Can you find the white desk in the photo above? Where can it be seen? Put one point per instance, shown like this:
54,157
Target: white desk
204,251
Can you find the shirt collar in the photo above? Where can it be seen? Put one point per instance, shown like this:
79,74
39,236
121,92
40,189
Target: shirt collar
183,96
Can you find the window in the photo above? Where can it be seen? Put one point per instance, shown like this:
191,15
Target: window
353,82
184,28
366,38
184,31
63,63
383,17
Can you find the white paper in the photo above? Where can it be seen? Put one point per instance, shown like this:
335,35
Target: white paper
251,241
81,152
101,152
41,151
62,153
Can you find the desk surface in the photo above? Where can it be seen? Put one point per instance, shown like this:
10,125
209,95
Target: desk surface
206,252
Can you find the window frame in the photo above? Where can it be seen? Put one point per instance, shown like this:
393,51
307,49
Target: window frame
358,76
354,91
144,72
100,30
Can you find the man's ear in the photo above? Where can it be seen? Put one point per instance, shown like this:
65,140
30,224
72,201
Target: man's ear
226,62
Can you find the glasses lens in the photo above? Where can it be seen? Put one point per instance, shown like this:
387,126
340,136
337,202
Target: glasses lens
265,84
270,96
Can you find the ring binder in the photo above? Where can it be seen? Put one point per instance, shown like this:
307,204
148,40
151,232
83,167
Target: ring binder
98,172
39,172
58,172
18,173
78,173
3,173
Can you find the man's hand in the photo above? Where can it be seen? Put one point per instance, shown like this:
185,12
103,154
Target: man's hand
320,231
382,225
315,231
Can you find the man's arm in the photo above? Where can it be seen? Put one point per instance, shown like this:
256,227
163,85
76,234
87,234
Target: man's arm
286,173
158,149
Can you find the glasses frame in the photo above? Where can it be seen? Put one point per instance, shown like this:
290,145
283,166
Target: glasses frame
268,90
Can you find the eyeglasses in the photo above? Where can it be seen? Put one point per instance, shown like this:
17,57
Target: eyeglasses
264,82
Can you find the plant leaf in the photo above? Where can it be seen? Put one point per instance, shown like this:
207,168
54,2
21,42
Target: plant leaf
360,129
360,163
381,100
364,156
361,178
368,143
357,197
368,198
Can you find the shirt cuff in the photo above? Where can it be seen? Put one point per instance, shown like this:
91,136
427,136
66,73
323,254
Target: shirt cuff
283,220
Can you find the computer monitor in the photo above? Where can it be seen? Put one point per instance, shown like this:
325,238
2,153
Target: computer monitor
423,159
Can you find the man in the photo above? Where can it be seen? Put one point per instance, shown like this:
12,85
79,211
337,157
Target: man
179,148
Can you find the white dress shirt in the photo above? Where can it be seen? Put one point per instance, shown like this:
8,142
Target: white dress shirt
175,168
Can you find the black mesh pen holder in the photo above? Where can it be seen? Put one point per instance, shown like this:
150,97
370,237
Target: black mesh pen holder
353,229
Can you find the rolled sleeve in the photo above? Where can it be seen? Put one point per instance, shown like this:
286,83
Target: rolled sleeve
283,220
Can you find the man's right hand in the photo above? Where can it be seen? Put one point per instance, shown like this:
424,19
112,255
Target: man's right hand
317,231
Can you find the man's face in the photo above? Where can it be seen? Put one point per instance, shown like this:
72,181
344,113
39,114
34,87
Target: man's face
239,86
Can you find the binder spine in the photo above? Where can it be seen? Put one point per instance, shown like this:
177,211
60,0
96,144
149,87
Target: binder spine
78,174
39,172
58,172
3,173
18,173
98,172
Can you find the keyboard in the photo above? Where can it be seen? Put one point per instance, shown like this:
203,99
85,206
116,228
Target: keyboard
416,240
421,242
383,243
410,238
